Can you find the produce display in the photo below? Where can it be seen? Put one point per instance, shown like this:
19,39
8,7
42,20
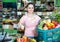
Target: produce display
47,24
7,20
49,29
25,39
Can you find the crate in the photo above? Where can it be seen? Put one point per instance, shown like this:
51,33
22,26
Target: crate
49,35
10,31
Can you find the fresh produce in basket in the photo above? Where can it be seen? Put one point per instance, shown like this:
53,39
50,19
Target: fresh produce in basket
55,22
40,25
47,21
53,25
58,26
50,25
47,24
45,27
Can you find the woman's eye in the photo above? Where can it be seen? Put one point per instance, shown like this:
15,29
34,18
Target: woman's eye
31,8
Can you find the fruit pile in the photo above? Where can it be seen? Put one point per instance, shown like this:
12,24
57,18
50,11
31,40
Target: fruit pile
51,25
7,20
47,24
25,39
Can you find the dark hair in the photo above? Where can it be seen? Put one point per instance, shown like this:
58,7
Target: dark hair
29,4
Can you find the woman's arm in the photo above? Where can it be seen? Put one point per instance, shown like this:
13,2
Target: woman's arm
20,26
21,23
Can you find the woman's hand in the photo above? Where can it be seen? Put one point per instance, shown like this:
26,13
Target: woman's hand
21,28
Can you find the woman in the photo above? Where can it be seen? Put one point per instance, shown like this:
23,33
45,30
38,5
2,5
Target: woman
29,22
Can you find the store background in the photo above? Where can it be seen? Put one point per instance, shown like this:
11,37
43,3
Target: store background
12,10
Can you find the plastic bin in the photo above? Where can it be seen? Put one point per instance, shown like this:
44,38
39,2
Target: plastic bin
49,35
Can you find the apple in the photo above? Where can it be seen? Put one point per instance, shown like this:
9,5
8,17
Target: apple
55,22
58,26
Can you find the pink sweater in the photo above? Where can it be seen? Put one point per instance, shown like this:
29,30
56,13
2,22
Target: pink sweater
30,25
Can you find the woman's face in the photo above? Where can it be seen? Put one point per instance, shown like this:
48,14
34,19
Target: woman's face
30,8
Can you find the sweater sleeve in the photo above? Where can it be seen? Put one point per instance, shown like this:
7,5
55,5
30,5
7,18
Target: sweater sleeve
21,21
